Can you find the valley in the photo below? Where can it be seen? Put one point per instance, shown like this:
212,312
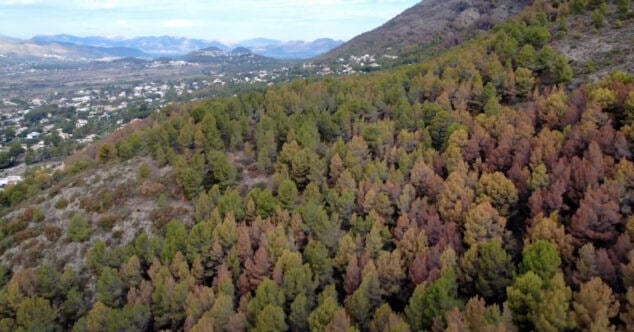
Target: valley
51,107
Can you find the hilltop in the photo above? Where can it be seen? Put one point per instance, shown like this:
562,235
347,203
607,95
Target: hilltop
429,22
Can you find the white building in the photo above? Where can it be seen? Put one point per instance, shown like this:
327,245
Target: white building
11,179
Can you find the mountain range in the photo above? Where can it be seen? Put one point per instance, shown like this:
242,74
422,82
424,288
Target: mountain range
177,46
34,50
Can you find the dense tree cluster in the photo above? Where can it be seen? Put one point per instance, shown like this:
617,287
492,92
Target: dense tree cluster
473,191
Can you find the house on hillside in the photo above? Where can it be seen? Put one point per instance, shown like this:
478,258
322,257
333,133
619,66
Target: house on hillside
11,179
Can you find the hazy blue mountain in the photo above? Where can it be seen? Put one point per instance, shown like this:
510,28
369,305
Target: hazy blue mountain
62,51
259,42
178,46
155,45
294,49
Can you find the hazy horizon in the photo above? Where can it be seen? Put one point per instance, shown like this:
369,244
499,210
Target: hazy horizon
223,21
228,43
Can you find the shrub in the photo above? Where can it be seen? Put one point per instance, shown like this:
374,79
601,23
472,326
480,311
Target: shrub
79,229
99,202
27,215
38,215
144,172
106,222
597,19
151,188
26,234
61,203
16,225
117,234
52,232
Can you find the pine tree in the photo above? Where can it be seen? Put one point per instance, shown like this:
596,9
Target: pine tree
300,309
341,323
221,311
362,302
541,258
110,288
325,311
287,194
267,293
487,269
318,258
391,272
523,297
594,306
627,315
36,314
47,281
197,302
482,223
498,190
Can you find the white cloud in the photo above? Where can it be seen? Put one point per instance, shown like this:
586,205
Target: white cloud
180,23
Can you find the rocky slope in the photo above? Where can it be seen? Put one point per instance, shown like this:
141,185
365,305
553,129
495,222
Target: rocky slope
430,21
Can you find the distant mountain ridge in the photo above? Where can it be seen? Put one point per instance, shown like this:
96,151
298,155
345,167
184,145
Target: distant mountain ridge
296,49
239,56
63,50
177,46
158,46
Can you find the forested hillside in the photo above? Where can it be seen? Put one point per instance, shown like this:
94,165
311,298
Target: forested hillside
475,191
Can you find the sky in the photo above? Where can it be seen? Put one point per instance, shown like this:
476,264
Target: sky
226,20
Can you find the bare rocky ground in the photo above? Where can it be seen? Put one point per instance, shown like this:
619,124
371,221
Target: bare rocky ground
608,48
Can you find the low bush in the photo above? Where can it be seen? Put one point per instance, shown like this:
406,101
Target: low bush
79,229
61,203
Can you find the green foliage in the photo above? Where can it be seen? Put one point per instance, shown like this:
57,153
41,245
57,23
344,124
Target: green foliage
189,177
175,240
143,172
541,258
47,281
106,153
230,201
223,172
597,18
288,194
271,319
110,289
79,228
430,302
61,203
300,309
267,294
98,257
325,311
523,297
488,269
36,314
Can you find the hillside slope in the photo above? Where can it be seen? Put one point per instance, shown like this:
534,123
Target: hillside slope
482,189
430,21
